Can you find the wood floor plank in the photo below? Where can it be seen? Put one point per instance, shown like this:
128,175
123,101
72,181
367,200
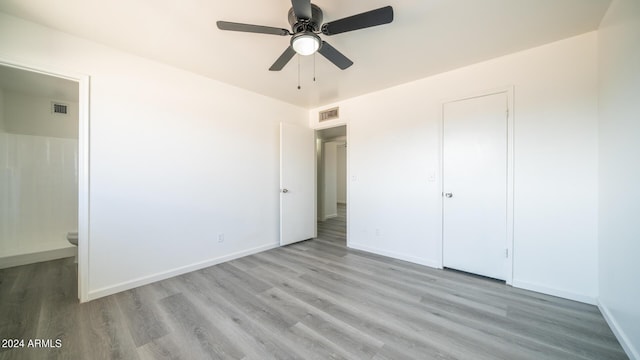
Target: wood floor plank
103,331
376,323
202,337
352,341
249,282
444,328
20,311
260,338
59,315
140,314
164,348
244,300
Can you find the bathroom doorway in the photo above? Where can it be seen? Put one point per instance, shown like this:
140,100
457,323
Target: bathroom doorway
43,166
331,152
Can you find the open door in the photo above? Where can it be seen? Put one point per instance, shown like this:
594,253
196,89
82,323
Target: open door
475,185
297,184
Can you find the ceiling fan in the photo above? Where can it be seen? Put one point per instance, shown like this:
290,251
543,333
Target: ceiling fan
306,23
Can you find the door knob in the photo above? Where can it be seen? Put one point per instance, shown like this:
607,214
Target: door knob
449,195
285,191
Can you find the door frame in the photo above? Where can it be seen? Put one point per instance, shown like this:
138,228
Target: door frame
83,82
316,128
509,91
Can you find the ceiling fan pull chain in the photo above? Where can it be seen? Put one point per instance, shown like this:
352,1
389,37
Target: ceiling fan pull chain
298,72
314,67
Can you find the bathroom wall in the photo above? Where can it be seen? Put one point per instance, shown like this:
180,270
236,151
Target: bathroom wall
30,114
38,180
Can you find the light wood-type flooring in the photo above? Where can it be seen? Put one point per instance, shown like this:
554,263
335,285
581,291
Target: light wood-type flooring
311,300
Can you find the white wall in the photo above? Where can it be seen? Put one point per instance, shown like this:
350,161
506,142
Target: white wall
29,114
175,159
619,228
396,211
330,183
342,173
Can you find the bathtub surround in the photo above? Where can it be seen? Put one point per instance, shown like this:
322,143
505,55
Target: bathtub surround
39,189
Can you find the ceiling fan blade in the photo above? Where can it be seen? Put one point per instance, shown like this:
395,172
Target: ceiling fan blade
367,19
334,56
283,59
302,9
231,26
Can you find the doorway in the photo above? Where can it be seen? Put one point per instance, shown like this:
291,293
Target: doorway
331,191
44,126
477,189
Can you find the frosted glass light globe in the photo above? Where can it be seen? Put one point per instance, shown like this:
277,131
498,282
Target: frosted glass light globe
306,44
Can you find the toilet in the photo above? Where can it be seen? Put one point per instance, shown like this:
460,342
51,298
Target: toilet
72,237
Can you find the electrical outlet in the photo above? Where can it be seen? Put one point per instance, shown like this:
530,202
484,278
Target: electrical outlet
221,237
377,232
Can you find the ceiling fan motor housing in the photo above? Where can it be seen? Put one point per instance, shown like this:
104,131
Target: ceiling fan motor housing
302,25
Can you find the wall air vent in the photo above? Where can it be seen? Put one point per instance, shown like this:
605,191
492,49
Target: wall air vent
59,108
329,114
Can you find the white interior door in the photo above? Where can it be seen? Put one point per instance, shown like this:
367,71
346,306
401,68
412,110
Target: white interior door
297,184
475,185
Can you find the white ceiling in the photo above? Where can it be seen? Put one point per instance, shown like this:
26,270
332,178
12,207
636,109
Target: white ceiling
32,83
427,37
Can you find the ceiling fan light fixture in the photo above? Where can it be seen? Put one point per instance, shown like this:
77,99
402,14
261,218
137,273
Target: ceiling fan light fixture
305,43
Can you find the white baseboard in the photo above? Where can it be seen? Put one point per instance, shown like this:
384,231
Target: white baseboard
409,258
36,257
110,290
516,283
623,339
554,292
